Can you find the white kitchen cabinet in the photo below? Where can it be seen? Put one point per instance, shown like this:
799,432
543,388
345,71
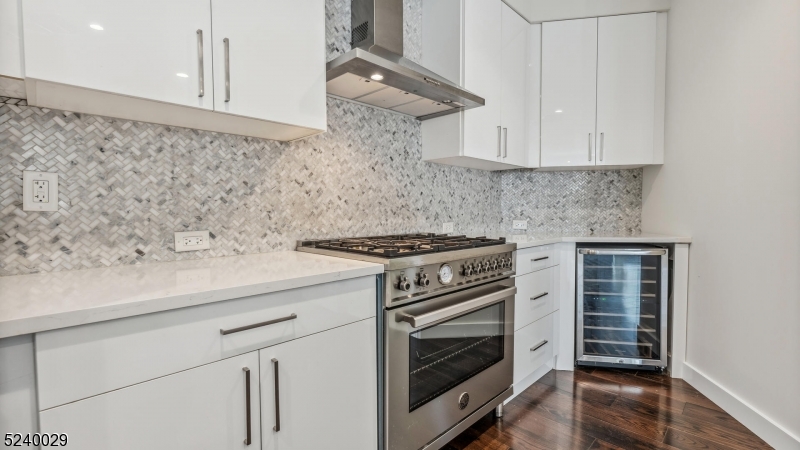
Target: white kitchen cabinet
162,62
626,86
569,87
514,55
602,98
268,60
147,49
482,46
320,391
534,94
205,407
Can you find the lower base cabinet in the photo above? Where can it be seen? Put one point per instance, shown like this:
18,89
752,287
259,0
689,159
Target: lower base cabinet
200,408
325,394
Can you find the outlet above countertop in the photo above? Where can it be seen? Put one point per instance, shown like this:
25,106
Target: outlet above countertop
40,302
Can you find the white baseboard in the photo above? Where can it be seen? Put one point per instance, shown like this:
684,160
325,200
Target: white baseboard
764,427
526,382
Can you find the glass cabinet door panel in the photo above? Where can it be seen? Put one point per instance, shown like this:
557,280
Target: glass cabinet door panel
621,306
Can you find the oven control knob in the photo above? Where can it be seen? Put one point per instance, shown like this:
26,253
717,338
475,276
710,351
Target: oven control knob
478,268
423,280
486,266
467,270
404,284
494,264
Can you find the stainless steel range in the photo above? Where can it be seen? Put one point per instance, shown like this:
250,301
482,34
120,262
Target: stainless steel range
445,331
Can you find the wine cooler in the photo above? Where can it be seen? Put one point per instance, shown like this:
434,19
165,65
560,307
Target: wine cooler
622,306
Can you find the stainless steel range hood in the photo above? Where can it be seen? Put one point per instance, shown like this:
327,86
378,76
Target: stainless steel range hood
375,72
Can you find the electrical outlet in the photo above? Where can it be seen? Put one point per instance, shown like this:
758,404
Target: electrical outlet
448,227
520,225
189,241
39,191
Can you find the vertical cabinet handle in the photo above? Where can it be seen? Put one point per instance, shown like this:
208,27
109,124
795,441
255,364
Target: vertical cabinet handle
590,146
602,138
498,141
227,44
277,426
505,142
201,79
248,439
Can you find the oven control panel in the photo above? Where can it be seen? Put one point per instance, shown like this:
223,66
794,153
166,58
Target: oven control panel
414,283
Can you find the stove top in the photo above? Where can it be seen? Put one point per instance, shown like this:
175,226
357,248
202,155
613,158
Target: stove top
400,245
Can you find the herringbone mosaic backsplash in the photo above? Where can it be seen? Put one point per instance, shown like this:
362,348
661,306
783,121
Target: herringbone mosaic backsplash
125,187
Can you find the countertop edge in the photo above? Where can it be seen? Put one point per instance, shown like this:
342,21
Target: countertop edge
47,322
609,239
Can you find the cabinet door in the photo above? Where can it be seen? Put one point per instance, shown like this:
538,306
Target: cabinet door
274,65
482,75
513,86
626,86
569,82
148,49
326,391
205,407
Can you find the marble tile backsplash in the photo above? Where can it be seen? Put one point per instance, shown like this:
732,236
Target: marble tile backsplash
126,186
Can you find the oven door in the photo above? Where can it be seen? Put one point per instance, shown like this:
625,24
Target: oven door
445,358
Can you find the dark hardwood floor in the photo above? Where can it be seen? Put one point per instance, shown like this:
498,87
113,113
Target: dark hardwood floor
608,409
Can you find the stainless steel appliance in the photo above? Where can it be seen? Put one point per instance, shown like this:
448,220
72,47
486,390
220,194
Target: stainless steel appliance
376,73
446,331
622,306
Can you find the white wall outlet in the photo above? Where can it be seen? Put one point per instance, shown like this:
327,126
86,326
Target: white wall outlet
189,241
39,191
448,227
520,225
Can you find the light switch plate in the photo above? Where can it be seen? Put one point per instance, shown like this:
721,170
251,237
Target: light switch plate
520,225
448,227
39,191
189,241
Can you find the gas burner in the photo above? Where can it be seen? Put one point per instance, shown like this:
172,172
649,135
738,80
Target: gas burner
399,245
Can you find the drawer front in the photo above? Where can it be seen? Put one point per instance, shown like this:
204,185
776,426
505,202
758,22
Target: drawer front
78,362
536,258
536,297
533,347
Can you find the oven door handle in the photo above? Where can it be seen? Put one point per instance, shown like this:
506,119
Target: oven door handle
454,310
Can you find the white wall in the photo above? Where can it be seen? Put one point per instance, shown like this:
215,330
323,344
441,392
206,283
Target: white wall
731,180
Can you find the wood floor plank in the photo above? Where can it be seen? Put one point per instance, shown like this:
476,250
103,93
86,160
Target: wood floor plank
596,408
695,426
686,441
685,394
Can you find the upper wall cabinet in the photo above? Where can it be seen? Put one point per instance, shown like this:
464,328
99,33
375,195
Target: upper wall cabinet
483,46
162,62
602,92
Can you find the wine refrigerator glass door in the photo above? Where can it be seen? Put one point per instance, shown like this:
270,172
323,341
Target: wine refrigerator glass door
622,306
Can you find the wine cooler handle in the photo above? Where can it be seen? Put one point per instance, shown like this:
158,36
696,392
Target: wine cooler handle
248,439
621,251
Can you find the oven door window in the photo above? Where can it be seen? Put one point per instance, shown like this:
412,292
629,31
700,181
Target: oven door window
449,353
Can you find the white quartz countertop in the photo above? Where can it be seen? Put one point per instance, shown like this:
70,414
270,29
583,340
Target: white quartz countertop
40,302
525,241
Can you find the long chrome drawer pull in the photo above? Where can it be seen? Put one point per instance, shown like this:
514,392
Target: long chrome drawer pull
540,259
539,345
227,44
590,146
201,69
622,251
539,296
260,324
499,133
277,426
454,310
248,439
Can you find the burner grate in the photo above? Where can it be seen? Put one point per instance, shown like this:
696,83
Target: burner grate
392,246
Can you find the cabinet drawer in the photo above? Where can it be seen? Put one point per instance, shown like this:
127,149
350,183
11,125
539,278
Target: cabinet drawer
78,362
536,296
536,258
533,347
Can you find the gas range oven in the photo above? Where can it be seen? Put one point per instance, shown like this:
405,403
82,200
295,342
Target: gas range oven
445,331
